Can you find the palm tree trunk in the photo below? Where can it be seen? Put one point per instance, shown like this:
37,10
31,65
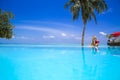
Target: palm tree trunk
83,34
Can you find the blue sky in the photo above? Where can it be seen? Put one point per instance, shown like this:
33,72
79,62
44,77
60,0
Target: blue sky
47,22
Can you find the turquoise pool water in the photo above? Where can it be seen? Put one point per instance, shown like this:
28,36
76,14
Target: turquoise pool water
38,62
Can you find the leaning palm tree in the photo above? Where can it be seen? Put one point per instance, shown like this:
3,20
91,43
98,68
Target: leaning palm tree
87,8
6,28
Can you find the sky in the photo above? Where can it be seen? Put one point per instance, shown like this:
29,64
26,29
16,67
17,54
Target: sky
47,22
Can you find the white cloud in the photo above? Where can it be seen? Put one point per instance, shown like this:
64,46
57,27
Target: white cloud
103,33
13,36
72,35
63,34
41,28
108,11
47,30
21,37
52,23
48,36
52,36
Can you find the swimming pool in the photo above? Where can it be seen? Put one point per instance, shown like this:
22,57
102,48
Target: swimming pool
47,62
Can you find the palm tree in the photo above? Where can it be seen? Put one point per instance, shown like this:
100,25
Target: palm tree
6,28
87,8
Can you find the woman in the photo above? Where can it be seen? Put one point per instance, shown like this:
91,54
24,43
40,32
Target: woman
95,42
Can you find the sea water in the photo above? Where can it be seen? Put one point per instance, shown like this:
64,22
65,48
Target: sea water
48,62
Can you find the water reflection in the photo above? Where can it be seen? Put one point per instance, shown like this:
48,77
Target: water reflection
93,51
83,56
106,51
88,71
114,50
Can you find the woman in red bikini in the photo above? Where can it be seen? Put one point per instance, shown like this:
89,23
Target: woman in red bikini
95,42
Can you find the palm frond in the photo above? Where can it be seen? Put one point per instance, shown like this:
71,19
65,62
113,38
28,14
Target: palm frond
86,8
69,3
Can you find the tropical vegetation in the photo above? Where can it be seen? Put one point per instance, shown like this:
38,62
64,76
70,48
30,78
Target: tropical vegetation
6,27
87,9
